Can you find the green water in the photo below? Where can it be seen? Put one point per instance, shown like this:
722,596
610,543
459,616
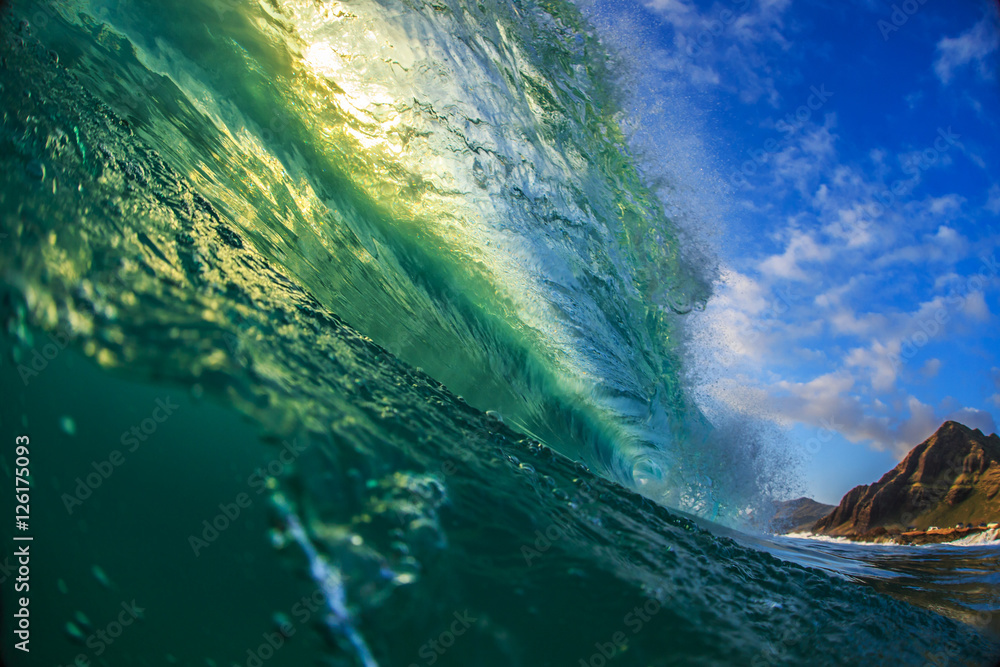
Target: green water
270,215
450,181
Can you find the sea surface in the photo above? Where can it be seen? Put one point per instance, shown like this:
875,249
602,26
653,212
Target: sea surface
352,334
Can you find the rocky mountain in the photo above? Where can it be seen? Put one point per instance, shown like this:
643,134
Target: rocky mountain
792,516
951,477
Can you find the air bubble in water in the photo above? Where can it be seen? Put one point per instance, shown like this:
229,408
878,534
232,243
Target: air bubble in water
83,621
101,577
67,425
36,170
75,633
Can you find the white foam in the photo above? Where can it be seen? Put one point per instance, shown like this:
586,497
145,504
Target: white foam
836,540
990,536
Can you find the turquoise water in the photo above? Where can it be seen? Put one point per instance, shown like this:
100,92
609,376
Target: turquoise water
308,228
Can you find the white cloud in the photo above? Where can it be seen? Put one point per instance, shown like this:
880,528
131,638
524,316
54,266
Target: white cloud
830,402
946,245
725,46
880,362
808,157
974,418
744,320
914,99
676,12
846,321
993,200
740,290
863,391
972,47
921,423
827,403
975,307
931,368
801,248
851,226
945,205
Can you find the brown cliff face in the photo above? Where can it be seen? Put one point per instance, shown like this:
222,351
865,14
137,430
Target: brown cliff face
952,477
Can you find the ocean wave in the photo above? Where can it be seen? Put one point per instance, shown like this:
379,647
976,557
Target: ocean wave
454,182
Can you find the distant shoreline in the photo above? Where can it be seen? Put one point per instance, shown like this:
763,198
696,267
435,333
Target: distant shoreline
941,535
910,537
950,479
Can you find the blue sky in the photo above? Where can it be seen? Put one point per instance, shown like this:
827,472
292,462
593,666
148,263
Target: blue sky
850,160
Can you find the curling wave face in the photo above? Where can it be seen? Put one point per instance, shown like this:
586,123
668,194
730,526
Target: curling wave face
451,179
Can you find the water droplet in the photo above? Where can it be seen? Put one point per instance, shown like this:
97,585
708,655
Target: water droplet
134,171
278,538
282,623
534,446
82,619
75,633
36,170
101,577
67,425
